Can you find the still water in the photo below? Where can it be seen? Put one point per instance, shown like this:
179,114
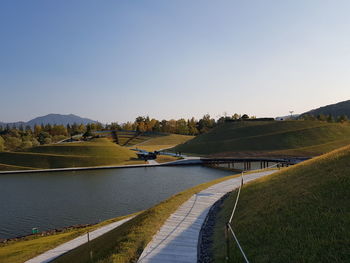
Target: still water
59,199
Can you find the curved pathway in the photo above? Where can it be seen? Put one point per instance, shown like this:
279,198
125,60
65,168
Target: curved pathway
177,240
65,247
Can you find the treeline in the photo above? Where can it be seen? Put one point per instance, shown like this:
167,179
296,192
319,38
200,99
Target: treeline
181,126
25,137
324,117
19,138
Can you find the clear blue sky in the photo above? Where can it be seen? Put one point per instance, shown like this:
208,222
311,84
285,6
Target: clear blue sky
116,60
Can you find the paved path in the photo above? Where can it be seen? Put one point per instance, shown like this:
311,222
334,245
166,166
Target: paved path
153,162
177,239
64,248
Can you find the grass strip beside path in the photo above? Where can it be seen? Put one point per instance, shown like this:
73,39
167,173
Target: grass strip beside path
28,247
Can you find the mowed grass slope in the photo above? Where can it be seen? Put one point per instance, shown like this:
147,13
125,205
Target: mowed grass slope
163,142
301,138
80,154
300,214
6,167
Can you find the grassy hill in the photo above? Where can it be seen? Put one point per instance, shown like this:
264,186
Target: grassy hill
300,214
130,138
163,142
94,153
270,138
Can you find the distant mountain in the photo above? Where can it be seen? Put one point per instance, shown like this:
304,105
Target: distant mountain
59,119
338,109
52,119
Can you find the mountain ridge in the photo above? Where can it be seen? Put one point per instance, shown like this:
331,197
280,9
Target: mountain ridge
336,110
52,118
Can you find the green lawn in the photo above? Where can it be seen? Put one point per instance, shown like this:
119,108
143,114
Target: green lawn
301,214
304,138
80,154
7,167
129,138
166,158
163,142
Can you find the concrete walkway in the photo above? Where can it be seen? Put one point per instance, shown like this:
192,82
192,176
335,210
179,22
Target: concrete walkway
153,162
64,248
177,240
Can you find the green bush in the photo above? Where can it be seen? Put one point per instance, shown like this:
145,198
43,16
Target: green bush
12,143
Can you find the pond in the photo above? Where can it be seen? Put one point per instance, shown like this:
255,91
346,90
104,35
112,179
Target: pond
59,199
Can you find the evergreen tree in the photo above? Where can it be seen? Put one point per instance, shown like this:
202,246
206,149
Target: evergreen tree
342,118
330,118
44,137
321,117
88,132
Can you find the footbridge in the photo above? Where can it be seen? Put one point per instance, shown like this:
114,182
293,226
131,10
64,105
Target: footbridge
239,163
246,163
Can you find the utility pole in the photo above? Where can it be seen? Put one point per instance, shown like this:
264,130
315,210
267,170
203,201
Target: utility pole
291,114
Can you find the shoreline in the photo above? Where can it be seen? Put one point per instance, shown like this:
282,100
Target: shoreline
173,163
79,168
45,233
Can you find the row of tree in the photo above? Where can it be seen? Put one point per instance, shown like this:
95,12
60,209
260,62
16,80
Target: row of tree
17,138
21,138
181,126
323,117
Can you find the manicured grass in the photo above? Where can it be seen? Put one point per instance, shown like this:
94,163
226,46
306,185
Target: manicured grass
126,243
129,137
31,246
166,158
304,138
312,150
97,152
131,140
6,167
300,214
163,142
81,154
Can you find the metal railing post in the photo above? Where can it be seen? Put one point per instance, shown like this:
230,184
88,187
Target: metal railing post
227,244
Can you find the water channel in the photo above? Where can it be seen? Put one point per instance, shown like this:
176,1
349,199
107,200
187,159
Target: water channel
58,199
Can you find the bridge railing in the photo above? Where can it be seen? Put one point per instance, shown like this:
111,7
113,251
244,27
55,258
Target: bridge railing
229,228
